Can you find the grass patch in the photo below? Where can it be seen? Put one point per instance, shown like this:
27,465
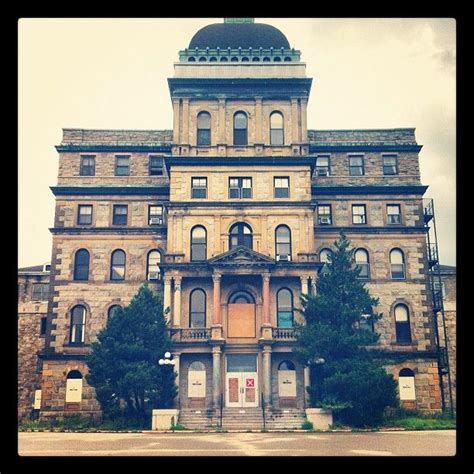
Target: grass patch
415,420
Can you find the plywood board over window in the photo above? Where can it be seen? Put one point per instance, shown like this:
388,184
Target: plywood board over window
241,320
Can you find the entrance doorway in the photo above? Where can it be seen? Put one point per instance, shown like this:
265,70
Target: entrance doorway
241,384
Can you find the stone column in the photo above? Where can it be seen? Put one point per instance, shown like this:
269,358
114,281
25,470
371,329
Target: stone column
307,383
304,126
221,138
267,375
216,318
294,121
216,376
175,121
177,302
266,298
185,122
258,121
167,296
304,284
313,285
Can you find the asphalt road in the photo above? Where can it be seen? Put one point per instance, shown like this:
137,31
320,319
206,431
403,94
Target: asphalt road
399,443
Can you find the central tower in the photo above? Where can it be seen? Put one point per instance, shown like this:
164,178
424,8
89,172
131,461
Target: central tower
239,89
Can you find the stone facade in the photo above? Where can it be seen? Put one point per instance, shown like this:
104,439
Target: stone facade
33,291
242,311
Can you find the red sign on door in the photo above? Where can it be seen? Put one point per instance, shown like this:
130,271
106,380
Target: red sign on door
250,383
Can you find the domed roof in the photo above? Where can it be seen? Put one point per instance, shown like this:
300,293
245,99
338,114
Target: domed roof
235,35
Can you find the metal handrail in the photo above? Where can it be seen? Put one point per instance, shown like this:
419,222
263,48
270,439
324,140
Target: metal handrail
221,409
263,411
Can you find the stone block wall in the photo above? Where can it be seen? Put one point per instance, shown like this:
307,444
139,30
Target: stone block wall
427,388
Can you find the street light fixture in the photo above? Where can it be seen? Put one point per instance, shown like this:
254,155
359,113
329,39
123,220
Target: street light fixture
167,360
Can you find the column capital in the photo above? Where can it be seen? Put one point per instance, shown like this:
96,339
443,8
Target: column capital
167,279
177,281
216,350
304,278
216,277
266,276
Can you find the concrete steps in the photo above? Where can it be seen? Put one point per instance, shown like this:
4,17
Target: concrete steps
242,418
285,418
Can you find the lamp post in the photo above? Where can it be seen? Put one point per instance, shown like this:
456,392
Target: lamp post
167,360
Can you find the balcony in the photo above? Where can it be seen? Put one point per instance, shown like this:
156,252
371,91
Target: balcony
284,334
428,210
190,335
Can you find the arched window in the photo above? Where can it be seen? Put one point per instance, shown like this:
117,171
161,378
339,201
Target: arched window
325,256
234,59
276,129
362,261
204,129
192,59
286,365
202,59
241,297
240,129
277,59
112,311
117,265
81,265
224,59
285,308
198,244
74,387
406,384
78,322
397,264
245,59
213,59
153,265
197,309
255,59
266,59
240,234
287,59
402,324
283,243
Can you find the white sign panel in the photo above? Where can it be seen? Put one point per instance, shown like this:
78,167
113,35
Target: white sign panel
406,387
287,383
37,403
197,384
73,390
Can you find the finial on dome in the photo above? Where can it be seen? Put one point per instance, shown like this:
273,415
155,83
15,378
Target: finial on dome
239,20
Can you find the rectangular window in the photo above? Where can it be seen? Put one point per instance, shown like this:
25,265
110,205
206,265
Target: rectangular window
122,166
204,137
120,214
322,166
394,214
324,214
87,167
43,326
155,166
40,291
359,215
282,187
240,188
356,165
198,188
155,215
390,166
84,214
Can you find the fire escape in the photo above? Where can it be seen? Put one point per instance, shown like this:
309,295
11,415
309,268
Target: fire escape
435,286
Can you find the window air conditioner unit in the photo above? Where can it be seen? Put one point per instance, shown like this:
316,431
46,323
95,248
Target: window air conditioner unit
283,258
322,172
156,220
154,275
324,220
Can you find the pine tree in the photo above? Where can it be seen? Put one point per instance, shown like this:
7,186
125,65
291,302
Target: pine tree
123,362
334,338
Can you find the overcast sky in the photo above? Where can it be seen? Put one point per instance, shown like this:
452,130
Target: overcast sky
111,73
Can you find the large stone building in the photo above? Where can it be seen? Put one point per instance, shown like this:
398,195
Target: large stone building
33,293
231,214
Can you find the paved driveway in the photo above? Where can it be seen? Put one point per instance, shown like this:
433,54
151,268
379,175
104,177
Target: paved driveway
404,443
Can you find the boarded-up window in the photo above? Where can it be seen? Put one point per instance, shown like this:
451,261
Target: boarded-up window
74,387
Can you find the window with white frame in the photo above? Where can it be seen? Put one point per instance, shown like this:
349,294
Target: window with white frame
359,215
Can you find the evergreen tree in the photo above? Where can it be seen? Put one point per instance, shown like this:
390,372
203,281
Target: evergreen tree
332,342
123,363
